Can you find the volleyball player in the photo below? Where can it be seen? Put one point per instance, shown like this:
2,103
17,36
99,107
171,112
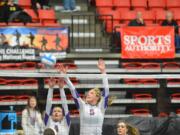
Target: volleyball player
92,110
60,118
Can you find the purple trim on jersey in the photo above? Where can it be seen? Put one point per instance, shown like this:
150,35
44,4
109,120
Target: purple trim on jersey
63,111
105,102
77,103
77,94
46,118
68,119
103,93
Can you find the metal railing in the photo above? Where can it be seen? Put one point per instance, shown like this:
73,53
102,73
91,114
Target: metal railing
88,33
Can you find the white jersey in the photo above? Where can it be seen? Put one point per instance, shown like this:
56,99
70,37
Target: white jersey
61,127
91,117
28,127
64,125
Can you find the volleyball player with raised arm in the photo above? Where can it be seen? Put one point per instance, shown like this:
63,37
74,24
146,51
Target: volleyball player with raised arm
60,118
92,110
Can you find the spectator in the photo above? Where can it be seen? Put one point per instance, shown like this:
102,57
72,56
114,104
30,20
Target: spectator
170,21
139,21
39,4
69,5
124,128
14,13
32,123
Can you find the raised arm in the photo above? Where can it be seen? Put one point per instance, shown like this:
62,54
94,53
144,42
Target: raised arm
77,99
49,101
64,101
105,94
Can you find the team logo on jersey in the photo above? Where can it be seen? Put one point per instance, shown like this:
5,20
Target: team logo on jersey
92,112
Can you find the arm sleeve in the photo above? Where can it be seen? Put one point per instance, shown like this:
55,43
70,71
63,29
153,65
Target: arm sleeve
65,107
104,101
24,123
77,99
48,105
40,122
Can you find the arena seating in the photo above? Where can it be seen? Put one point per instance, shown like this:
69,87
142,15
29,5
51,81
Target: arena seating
26,4
133,96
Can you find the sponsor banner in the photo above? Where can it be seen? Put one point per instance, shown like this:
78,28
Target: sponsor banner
23,43
147,42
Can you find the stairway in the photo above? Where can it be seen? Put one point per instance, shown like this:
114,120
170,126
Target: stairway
86,32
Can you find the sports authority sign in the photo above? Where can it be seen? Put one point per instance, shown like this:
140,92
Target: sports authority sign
147,42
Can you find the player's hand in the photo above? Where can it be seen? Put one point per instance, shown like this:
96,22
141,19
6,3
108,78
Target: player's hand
101,66
63,69
51,82
61,83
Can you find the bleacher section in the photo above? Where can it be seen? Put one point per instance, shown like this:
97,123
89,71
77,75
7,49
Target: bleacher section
123,11
133,96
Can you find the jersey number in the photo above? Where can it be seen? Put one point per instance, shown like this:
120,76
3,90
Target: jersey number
92,112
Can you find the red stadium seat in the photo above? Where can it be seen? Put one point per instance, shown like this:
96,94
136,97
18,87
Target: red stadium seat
22,97
156,4
141,111
149,16
47,16
34,17
3,24
15,24
30,82
149,81
173,81
160,16
142,96
132,81
7,66
171,65
139,4
15,82
178,111
56,97
176,96
74,112
25,3
177,15
138,65
7,98
173,4
123,5
54,24
151,65
128,16
34,24
112,21
132,65
3,81
104,3
111,18
103,10
28,65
